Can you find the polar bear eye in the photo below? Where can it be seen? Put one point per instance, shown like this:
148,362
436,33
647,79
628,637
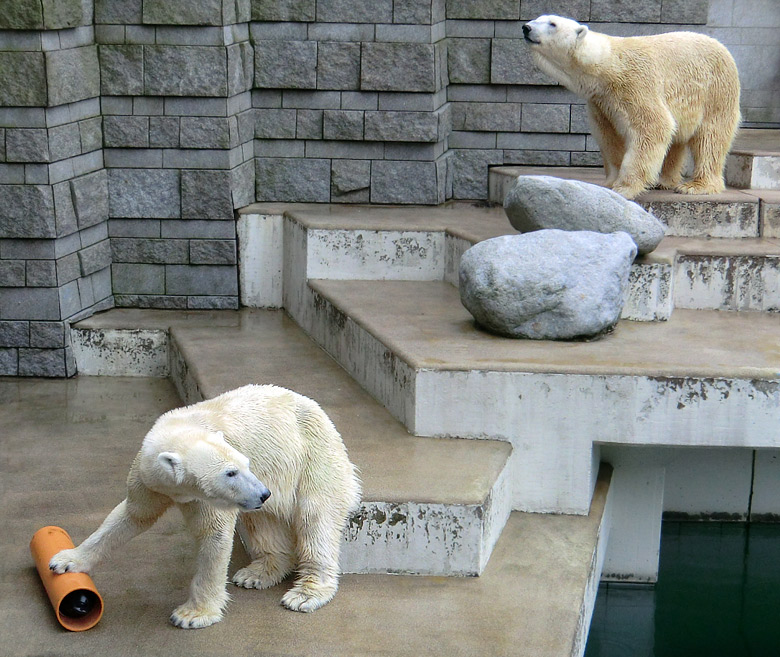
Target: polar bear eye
553,25
231,473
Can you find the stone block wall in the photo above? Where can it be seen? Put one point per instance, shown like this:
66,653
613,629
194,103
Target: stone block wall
131,130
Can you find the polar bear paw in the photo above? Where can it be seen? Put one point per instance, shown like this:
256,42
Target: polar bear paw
191,617
701,187
69,561
254,577
308,596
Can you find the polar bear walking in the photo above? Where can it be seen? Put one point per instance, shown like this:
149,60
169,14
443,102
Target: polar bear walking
265,453
650,99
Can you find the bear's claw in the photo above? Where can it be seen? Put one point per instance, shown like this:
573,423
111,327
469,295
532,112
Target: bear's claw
67,561
189,618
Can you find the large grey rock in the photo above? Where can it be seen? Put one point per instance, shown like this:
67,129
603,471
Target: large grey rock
547,285
538,202
22,79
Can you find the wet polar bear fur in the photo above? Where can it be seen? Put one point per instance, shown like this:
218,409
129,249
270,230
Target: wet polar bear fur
216,460
650,99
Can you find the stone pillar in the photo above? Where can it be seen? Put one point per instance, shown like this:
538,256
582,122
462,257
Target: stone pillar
175,80
54,249
351,101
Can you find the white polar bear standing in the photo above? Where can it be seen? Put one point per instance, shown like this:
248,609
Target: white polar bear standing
650,99
217,459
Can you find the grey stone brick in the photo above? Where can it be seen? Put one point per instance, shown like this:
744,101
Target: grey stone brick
9,362
406,182
138,279
27,145
72,75
625,11
126,12
212,303
283,10
204,132
418,12
511,63
355,11
341,31
134,228
62,14
399,67
42,362
506,10
139,193
685,11
279,148
22,15
579,119
28,211
27,249
47,335
148,106
416,151
66,245
65,141
213,252
101,286
164,132
466,139
360,100
311,99
64,208
11,273
589,159
29,303
349,150
412,102
293,179
185,71
68,268
275,123
121,70
579,10
41,273
338,65
407,126
15,334
279,32
342,125
487,116
470,172
93,234
540,141
405,33
149,301
201,280
540,158
22,79
14,174
116,105
184,229
286,64
350,181
132,158
199,158
126,131
545,117
240,63
95,257
242,184
86,294
468,61
206,195
148,251
163,12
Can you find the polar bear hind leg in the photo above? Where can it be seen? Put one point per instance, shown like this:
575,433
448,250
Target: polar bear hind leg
709,152
272,549
671,171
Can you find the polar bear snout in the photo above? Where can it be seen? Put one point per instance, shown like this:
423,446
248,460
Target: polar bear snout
255,492
527,32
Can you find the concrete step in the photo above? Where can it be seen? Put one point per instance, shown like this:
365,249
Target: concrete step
754,161
430,506
732,214
535,596
703,378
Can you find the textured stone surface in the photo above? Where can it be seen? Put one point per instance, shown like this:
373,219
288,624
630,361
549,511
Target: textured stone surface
185,71
286,64
164,12
470,172
511,63
90,198
468,61
72,75
213,252
579,10
22,79
539,202
136,193
507,10
121,70
355,11
338,65
126,131
547,285
407,182
350,181
408,126
204,132
399,67
27,145
22,15
28,211
206,194
625,11
342,125
293,179
283,10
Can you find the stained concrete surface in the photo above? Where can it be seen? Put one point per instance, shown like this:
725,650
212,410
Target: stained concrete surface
66,448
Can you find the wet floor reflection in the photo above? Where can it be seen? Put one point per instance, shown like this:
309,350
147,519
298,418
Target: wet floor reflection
718,594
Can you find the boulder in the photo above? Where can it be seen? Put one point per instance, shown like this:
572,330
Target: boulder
538,202
549,284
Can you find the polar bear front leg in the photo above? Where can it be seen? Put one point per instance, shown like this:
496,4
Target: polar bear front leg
272,550
213,530
611,144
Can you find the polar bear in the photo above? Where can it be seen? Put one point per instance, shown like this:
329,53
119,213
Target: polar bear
650,99
262,453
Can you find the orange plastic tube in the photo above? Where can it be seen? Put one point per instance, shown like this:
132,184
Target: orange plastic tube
44,545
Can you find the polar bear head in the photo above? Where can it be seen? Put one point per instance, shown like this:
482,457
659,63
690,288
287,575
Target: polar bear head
187,461
554,33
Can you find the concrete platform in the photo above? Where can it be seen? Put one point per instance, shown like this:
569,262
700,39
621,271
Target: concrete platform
67,446
422,497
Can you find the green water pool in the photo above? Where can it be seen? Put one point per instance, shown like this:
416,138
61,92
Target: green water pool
718,595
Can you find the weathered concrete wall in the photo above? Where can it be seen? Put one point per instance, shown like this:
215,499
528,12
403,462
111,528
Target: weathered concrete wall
130,130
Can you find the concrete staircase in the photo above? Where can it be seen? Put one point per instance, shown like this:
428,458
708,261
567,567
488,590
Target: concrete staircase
459,434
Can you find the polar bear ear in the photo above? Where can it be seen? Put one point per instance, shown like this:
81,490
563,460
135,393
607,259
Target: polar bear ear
172,464
582,30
